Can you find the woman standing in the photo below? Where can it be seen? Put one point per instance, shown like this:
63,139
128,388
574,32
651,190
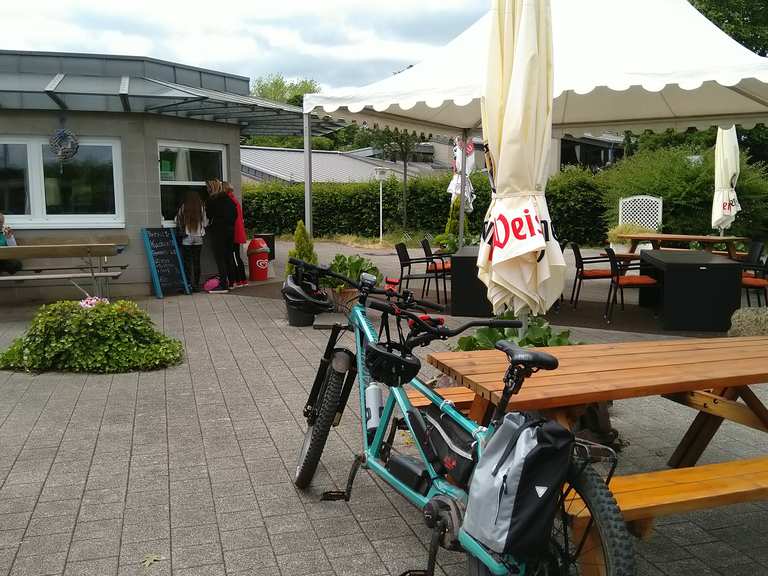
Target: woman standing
191,220
221,215
240,239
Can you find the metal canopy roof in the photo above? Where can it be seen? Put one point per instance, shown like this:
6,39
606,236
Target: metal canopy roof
96,93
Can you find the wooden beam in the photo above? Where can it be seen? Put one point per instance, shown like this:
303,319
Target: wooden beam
754,403
719,406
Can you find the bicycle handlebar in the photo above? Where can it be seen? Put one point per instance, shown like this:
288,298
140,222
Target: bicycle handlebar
389,308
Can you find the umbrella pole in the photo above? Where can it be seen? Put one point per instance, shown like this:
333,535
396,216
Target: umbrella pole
463,188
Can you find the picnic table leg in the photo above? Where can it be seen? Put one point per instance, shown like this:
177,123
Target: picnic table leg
731,250
699,435
633,246
591,557
754,404
480,411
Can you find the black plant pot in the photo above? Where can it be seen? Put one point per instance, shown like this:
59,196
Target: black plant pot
298,317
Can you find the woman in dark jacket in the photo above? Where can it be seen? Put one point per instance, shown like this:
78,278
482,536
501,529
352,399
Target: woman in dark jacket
221,214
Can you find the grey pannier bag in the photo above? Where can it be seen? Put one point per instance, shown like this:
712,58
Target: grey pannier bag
516,487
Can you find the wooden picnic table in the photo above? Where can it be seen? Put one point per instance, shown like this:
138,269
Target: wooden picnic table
44,251
656,240
708,375
94,254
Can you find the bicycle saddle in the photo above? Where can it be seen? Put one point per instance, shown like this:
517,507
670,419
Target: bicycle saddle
526,357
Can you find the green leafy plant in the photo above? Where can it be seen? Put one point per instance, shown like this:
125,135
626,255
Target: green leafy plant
303,247
576,206
103,338
616,231
539,333
351,267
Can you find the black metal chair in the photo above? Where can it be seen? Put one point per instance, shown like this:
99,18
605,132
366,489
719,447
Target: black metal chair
753,273
583,273
406,266
440,266
620,280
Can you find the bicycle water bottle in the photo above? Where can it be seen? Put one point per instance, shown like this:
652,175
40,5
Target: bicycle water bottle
373,408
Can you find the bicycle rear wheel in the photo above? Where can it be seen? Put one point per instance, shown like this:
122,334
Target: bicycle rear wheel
579,546
317,433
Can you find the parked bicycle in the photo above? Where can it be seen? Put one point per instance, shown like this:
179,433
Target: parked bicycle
586,534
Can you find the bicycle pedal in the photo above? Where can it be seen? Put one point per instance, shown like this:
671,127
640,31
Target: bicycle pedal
334,495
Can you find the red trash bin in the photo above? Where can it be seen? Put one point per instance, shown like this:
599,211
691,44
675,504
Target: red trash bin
258,260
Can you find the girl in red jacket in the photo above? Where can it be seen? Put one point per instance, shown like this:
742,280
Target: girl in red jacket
239,239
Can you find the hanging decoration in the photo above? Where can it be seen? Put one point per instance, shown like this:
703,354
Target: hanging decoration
64,144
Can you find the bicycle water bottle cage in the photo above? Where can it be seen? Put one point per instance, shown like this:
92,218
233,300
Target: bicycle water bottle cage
386,363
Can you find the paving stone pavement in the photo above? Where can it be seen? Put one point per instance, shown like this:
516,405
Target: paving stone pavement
192,466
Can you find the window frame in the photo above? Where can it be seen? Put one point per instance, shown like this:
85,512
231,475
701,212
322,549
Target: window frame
193,146
38,219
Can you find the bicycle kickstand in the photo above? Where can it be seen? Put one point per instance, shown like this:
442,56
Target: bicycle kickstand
434,546
345,495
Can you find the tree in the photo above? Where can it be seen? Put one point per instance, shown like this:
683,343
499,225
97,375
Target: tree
276,88
398,145
746,21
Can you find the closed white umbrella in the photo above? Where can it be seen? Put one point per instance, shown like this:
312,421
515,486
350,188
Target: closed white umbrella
725,204
519,259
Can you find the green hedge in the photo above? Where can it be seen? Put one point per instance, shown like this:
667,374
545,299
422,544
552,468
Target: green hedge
686,188
582,205
577,207
353,208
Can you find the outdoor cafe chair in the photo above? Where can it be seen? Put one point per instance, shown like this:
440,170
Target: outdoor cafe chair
583,273
620,280
753,258
440,267
406,269
753,275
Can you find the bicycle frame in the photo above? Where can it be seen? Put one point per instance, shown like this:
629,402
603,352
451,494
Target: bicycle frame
365,332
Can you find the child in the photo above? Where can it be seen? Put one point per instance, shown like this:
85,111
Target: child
240,238
222,215
7,239
191,220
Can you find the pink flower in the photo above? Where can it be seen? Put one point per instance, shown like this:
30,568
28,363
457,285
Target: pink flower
92,301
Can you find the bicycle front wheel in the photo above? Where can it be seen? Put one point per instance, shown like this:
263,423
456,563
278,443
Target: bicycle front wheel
317,433
589,536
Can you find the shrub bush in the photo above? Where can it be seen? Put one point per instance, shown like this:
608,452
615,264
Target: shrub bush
576,206
303,247
353,207
104,338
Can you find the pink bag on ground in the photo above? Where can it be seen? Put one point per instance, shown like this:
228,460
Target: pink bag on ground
211,284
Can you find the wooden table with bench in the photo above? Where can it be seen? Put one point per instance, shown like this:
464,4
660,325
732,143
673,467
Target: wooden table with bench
708,242
93,265
708,375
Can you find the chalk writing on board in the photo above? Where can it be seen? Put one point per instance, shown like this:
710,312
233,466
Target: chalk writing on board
165,263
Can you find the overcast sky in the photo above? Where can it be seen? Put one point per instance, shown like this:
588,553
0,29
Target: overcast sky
336,42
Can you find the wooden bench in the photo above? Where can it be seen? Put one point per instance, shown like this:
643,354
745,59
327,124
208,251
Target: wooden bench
460,396
645,497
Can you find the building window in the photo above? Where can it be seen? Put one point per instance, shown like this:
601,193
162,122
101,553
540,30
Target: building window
39,191
14,179
83,185
184,168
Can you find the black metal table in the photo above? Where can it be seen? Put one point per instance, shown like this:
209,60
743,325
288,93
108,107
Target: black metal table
469,296
699,290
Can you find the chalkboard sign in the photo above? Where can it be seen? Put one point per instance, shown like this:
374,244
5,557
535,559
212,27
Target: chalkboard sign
165,263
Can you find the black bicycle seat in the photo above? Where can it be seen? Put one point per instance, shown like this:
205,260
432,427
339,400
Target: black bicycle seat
526,357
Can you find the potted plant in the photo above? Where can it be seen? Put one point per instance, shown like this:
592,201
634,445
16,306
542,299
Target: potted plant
351,267
620,244
303,249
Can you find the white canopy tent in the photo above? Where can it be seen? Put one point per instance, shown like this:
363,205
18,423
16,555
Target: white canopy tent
618,65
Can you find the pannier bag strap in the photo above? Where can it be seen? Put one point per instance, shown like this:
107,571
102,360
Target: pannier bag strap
513,441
